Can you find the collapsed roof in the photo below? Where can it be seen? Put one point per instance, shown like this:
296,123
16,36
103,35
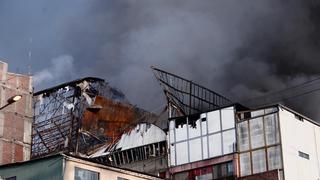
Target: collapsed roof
185,97
81,115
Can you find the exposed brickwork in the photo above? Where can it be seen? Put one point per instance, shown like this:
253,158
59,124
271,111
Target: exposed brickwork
15,119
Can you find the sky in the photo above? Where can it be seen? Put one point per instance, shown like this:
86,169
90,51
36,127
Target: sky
241,49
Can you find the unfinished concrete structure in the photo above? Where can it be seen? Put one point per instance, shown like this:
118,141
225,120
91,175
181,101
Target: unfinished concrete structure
16,118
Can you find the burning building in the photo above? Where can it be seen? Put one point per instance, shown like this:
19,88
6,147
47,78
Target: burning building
15,117
79,116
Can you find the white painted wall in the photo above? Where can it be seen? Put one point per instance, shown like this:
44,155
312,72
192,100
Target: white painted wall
105,173
298,136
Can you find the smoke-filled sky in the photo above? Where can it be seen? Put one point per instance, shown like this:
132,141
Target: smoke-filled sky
241,49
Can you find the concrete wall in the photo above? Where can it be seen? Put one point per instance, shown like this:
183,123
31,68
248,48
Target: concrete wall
48,168
303,136
15,119
105,173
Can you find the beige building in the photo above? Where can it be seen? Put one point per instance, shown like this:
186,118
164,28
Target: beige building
66,167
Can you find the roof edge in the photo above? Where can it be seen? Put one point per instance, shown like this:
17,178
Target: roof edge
54,88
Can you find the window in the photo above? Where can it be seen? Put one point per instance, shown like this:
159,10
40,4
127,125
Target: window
83,174
181,129
227,118
195,150
213,121
181,176
274,158
304,155
223,170
215,145
259,161
271,129
243,134
182,153
228,141
256,129
245,164
194,128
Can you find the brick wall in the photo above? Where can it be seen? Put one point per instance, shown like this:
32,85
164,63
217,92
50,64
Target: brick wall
15,119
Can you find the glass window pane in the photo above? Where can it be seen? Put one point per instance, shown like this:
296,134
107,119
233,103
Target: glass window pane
83,174
243,136
271,110
229,140
215,145
195,150
172,155
182,156
271,129
171,131
204,123
227,118
181,176
205,147
230,170
194,129
256,131
181,129
257,113
259,161
213,120
245,164
274,158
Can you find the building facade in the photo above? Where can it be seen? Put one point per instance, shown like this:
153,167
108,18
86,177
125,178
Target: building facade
203,146
278,143
16,118
273,143
65,167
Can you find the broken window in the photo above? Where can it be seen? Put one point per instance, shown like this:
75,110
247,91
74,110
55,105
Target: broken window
203,124
194,128
181,129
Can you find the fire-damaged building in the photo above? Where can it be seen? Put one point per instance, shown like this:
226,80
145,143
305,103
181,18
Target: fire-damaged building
89,118
79,116
210,137
203,136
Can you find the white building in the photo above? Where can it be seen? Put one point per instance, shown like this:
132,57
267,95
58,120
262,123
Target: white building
277,138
